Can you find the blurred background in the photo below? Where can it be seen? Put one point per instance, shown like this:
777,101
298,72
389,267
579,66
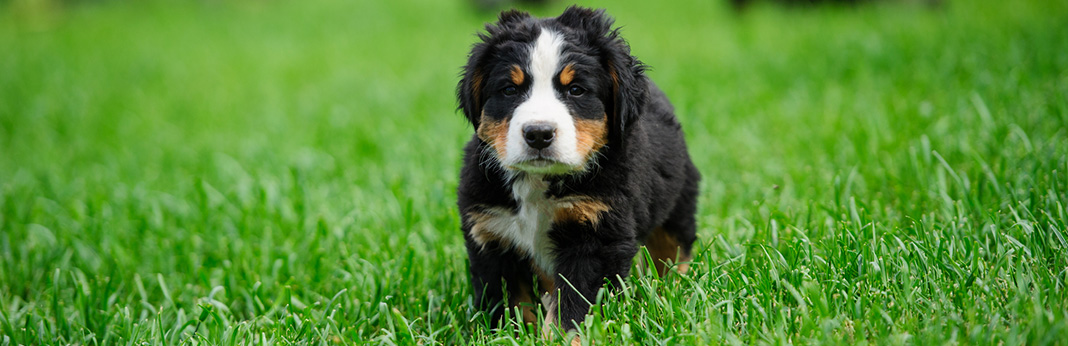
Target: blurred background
225,170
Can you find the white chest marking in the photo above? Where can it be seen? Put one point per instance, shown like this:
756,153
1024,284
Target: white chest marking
527,229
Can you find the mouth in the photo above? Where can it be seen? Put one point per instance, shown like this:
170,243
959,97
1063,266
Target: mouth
542,165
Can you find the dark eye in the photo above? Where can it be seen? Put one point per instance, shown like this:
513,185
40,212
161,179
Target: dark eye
509,91
576,90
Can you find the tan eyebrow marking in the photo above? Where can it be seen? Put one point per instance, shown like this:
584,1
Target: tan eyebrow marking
517,75
567,74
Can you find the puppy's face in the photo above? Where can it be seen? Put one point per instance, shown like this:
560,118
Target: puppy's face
541,92
544,112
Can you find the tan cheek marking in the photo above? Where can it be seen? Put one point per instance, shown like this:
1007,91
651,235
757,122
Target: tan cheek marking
567,74
494,132
517,75
665,249
592,135
582,210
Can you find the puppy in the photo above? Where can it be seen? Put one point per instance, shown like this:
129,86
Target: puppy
576,161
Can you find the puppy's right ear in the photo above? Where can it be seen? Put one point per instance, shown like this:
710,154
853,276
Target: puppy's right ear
470,89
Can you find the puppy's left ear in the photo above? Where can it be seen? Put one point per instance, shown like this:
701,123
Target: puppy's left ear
629,85
627,74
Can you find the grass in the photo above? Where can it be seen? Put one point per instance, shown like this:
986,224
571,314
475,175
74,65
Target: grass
247,172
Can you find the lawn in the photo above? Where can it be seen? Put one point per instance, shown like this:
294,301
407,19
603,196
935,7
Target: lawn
277,172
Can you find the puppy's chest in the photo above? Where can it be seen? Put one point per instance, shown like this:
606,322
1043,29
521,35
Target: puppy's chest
526,228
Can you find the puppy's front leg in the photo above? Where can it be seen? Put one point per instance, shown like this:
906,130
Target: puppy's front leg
585,258
493,265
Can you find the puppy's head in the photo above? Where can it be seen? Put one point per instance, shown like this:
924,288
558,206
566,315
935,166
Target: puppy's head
547,95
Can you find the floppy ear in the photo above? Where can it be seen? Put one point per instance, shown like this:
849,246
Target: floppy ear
469,90
628,83
626,73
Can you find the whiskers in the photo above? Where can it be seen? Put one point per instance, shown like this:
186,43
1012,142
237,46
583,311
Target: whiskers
488,160
593,162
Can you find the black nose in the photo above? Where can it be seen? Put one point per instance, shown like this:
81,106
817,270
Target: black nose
539,135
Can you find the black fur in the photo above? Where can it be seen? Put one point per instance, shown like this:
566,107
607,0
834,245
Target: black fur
643,174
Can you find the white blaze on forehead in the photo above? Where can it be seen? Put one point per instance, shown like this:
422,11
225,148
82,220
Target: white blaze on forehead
544,106
545,58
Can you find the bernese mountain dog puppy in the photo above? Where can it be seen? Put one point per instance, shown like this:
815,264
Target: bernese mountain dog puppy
577,160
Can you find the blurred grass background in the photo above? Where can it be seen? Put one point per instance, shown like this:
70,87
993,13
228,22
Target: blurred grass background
219,172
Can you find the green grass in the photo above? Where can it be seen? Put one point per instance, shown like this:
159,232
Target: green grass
284,172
